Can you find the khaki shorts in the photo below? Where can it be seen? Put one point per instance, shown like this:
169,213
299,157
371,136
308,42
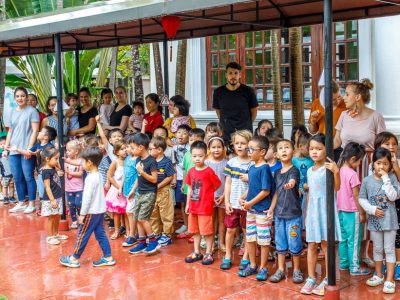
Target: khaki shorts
144,206
5,181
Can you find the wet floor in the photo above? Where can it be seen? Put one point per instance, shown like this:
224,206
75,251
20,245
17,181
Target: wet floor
29,269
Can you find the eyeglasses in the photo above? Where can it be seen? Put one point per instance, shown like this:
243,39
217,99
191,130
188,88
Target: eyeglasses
251,150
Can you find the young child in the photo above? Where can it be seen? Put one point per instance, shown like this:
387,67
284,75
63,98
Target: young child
52,198
73,102
136,119
389,141
146,186
262,127
162,218
297,130
271,156
182,136
169,152
351,214
316,218
113,136
286,207
212,129
235,187
180,112
377,195
202,183
106,108
73,182
115,200
91,218
217,162
7,182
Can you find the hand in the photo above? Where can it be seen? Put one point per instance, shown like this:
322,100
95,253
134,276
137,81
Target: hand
363,218
379,213
244,177
382,172
53,203
97,118
60,173
5,153
139,168
270,214
187,209
173,183
332,166
289,185
107,186
81,219
395,162
314,117
305,187
182,188
228,209
220,200
144,124
242,201
247,206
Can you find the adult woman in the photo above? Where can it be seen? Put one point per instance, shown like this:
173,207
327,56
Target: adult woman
52,116
153,118
86,115
21,137
172,108
119,118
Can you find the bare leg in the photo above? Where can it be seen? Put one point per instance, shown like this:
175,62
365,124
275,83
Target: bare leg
324,246
246,252
146,227
281,262
209,243
130,222
296,262
264,256
127,225
312,259
230,237
49,225
251,248
221,228
196,242
378,268
184,215
390,271
56,224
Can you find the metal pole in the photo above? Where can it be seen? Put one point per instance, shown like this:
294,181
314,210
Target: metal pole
77,70
166,75
329,141
57,45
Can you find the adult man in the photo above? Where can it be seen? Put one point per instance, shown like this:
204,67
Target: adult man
235,103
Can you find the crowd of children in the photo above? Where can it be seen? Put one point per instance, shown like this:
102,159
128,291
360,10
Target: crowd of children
263,193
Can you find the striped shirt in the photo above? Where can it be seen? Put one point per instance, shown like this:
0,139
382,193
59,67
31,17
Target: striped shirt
165,169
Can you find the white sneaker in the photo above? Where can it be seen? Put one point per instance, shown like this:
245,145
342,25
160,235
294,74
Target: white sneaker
375,280
52,240
389,287
181,230
1,197
18,208
29,209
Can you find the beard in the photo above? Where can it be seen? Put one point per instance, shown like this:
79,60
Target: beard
233,82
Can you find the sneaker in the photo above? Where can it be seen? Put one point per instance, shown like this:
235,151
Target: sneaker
66,261
13,200
130,241
193,257
243,264
164,240
104,262
139,248
74,225
152,248
121,231
1,196
389,287
397,272
111,224
369,262
310,285
203,244
298,276
262,274
208,259
248,271
320,290
278,276
226,264
361,272
343,268
52,240
6,200
182,229
18,208
375,281
30,209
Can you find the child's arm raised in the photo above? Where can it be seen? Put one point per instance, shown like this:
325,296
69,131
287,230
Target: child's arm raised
110,174
78,173
101,132
390,191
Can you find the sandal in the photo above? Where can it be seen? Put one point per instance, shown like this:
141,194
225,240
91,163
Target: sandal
193,257
115,235
61,237
52,240
208,259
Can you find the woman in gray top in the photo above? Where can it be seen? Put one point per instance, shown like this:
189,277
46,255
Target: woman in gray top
24,128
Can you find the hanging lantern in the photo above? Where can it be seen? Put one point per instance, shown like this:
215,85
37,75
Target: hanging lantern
170,25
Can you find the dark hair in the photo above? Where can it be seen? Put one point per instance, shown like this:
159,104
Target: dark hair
233,65
274,133
184,127
163,128
3,138
106,91
304,139
114,130
51,133
363,88
121,87
85,90
273,142
92,154
298,127
352,149
141,139
256,132
48,152
34,96
129,139
154,97
181,104
198,145
48,111
214,127
159,142
90,139
383,137
284,140
21,89
319,138
382,153
138,103
71,96
262,141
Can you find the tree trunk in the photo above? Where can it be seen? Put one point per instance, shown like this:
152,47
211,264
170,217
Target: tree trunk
158,69
137,74
2,62
276,80
181,68
113,68
296,75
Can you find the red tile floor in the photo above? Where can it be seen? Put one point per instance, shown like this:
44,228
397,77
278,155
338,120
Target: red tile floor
29,269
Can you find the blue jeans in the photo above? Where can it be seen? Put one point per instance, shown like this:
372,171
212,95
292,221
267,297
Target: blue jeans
75,202
23,171
288,235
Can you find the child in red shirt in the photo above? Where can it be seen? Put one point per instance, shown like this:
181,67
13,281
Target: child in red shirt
202,182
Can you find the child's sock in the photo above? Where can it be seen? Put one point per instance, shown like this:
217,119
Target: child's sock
152,237
142,240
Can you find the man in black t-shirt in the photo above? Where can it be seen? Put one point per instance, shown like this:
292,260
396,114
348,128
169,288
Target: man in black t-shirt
235,103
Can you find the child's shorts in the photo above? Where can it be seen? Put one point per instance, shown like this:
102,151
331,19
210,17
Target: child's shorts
48,210
200,224
144,206
288,235
179,196
130,206
236,218
5,181
258,228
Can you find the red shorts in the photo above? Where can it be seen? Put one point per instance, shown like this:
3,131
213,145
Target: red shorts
200,224
236,218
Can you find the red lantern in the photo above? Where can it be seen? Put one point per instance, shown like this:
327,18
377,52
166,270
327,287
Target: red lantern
170,25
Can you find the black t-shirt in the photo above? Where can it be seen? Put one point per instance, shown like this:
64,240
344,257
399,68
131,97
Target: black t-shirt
116,116
55,183
235,108
149,165
288,204
83,118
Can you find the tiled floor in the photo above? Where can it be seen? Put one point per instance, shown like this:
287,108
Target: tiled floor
29,269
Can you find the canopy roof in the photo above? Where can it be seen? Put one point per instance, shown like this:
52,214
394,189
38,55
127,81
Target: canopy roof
118,22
